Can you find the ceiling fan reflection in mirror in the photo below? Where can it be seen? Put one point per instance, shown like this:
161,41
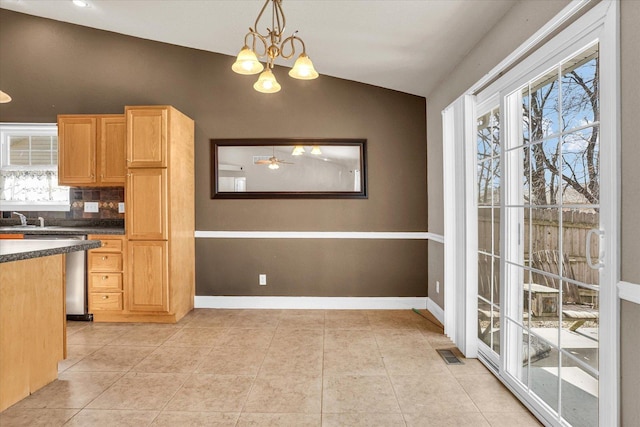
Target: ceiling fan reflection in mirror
273,162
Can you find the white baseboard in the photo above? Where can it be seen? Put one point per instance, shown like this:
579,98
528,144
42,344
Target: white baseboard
322,303
435,309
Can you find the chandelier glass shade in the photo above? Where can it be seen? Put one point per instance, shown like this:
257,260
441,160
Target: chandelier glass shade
268,47
247,62
267,83
4,97
298,150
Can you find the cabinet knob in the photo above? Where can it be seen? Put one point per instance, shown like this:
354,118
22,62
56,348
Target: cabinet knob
105,296
105,277
104,258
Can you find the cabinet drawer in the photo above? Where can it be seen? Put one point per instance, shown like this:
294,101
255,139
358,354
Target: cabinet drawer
109,245
105,262
105,281
105,301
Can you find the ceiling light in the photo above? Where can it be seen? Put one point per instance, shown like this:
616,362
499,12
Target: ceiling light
4,97
80,3
274,165
271,47
298,150
247,62
267,83
316,150
303,69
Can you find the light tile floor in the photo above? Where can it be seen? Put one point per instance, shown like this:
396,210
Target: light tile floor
268,368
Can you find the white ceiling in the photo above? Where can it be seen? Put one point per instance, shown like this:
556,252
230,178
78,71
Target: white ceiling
409,46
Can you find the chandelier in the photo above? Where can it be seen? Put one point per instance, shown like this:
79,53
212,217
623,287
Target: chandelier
271,45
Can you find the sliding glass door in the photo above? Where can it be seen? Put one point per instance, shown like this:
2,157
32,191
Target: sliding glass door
552,211
538,188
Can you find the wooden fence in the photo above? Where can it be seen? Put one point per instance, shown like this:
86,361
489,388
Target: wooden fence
544,227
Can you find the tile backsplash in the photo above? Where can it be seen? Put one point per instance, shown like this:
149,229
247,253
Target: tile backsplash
107,198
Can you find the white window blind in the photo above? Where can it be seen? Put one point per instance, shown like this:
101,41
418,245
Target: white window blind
29,168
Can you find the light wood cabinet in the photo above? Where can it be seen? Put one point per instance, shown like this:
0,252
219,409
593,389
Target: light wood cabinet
77,150
147,133
160,213
106,266
147,204
91,150
112,143
148,276
32,326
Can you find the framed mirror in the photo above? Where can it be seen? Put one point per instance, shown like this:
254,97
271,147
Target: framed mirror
305,168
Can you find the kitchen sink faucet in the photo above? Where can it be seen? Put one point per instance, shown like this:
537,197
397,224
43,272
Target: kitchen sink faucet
23,219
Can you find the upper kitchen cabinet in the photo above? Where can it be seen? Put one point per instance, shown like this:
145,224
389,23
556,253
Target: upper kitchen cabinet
113,134
91,150
77,150
147,135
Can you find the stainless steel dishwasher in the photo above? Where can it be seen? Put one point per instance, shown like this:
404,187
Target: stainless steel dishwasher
76,277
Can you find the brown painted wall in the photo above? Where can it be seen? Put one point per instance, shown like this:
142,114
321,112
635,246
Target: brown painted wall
517,25
52,68
630,195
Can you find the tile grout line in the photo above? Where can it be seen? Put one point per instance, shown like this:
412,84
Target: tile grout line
123,373
191,374
395,394
246,400
324,335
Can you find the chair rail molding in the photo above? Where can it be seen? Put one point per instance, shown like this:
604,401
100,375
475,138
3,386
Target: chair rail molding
629,291
397,235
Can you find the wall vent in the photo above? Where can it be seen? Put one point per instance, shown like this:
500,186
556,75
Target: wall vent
449,357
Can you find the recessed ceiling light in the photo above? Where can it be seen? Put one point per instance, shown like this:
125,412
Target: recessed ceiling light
80,3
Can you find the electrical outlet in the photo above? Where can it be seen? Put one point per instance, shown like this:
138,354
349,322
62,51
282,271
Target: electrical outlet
121,207
437,286
91,207
262,279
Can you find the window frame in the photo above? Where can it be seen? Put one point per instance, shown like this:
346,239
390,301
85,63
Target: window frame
28,129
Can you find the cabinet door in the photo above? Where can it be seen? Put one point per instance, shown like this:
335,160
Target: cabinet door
146,213
146,137
76,150
148,283
112,146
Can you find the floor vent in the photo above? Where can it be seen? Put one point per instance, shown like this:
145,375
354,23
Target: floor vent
449,357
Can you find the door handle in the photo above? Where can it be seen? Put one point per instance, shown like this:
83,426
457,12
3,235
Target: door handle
590,263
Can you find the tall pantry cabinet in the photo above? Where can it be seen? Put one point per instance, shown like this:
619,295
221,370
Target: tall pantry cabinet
159,215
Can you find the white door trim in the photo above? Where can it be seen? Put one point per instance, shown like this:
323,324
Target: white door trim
601,23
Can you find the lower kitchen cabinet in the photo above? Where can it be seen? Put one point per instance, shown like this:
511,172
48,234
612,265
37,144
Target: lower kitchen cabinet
106,267
148,271
128,281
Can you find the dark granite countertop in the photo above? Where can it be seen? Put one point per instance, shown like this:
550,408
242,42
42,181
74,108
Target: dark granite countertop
19,249
63,227
61,230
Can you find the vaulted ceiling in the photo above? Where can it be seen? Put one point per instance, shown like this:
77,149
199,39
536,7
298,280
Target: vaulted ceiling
408,46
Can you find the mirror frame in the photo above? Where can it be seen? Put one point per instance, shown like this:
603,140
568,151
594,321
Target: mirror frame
216,143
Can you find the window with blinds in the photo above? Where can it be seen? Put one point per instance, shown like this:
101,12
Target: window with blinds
29,168
36,150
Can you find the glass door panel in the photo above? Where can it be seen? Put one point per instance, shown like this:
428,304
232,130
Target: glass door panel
552,190
488,201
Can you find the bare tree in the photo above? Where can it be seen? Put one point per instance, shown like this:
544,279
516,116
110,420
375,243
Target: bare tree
555,166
